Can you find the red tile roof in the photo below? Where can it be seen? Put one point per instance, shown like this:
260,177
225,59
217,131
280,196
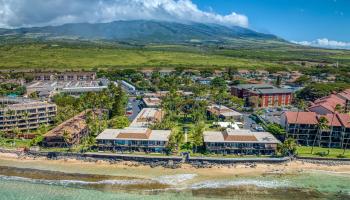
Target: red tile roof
344,119
301,118
328,102
332,119
345,94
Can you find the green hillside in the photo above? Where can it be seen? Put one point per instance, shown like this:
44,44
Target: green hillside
63,55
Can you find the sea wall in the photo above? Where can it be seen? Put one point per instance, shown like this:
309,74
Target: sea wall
169,161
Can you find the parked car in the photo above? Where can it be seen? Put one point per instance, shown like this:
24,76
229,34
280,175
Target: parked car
259,128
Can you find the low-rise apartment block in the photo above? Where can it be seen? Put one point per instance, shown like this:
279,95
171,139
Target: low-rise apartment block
147,117
304,128
64,76
134,139
151,102
263,95
328,104
46,89
68,133
25,114
232,141
224,113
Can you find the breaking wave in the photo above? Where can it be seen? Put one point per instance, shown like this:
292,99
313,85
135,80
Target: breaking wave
245,182
76,182
175,179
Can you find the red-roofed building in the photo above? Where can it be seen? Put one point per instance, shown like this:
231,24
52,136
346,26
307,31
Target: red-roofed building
345,95
327,105
303,127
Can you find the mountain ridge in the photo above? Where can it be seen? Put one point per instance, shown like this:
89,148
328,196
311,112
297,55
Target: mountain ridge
145,31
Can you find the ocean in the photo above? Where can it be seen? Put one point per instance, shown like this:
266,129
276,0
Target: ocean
43,182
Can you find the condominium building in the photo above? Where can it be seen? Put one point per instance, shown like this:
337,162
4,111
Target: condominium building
64,76
25,114
263,95
133,139
224,113
68,133
328,104
304,128
151,102
147,117
232,141
46,89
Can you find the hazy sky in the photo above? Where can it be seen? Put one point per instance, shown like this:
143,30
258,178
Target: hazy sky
308,22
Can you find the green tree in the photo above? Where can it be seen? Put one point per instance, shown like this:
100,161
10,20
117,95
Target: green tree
276,129
321,125
303,80
278,81
67,138
218,82
120,101
301,105
337,109
26,118
197,135
119,122
237,102
288,147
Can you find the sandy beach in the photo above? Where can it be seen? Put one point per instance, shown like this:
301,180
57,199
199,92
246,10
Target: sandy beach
138,170
292,180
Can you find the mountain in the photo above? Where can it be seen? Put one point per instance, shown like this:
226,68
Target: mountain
141,31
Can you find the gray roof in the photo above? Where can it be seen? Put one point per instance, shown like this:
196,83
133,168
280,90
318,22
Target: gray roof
261,137
263,88
156,135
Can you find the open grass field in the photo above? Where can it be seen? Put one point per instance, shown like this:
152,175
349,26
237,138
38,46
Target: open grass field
333,153
63,56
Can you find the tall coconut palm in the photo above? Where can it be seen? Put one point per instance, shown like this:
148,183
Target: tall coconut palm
345,144
336,110
301,106
26,118
9,113
321,125
67,137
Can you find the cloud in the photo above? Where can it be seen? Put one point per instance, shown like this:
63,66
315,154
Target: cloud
325,43
27,13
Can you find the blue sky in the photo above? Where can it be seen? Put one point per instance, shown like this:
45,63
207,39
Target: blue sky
323,23
299,20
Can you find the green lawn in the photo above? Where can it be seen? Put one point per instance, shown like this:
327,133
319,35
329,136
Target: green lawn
14,144
333,153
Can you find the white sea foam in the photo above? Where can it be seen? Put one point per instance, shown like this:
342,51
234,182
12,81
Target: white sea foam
76,182
241,182
175,179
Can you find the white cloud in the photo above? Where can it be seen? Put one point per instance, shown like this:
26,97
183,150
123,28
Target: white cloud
326,43
26,13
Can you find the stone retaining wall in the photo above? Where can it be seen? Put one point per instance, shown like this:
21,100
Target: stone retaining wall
170,161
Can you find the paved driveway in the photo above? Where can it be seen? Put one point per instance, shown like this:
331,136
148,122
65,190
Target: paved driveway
135,108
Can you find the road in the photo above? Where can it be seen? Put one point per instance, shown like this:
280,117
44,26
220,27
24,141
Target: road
135,108
248,122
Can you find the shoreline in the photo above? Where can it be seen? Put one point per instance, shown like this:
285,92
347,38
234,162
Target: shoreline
88,166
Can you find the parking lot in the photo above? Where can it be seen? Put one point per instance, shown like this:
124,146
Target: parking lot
134,106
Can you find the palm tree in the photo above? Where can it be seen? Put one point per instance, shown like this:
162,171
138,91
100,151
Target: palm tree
67,137
301,106
337,109
345,144
322,124
197,135
8,113
15,132
26,118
